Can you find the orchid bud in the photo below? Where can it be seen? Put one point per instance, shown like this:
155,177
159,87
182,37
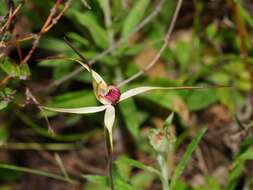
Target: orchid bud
162,141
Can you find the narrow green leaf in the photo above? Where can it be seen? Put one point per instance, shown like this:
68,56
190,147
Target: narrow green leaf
212,183
186,157
245,15
78,38
61,165
142,180
238,168
54,44
4,133
247,155
3,104
101,180
33,171
122,185
197,100
102,4
24,71
168,121
80,98
10,68
139,165
131,117
234,176
44,132
5,187
83,98
135,16
98,33
54,63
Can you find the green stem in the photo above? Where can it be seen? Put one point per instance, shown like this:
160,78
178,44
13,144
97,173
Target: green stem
161,159
110,159
110,162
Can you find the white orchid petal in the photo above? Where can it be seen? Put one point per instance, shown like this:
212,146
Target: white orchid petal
95,75
140,90
98,83
82,110
109,120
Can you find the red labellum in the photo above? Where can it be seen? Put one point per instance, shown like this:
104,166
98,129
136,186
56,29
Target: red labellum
113,95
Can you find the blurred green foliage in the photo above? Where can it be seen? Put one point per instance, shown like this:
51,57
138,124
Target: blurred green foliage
201,55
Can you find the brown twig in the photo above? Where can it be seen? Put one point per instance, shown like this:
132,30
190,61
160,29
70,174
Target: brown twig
158,55
10,18
31,36
242,32
19,51
49,23
30,96
153,14
4,81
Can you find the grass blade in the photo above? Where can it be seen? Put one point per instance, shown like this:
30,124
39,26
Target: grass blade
139,165
89,21
35,172
44,132
135,16
186,157
61,165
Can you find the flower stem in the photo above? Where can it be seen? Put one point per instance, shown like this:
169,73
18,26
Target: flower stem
161,159
110,158
110,162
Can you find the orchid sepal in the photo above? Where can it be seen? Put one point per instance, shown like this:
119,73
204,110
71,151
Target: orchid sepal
82,110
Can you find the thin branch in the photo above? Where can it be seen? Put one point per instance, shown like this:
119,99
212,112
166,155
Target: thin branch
50,22
86,4
55,20
158,55
11,17
10,5
111,48
242,32
4,81
20,38
30,96
61,166
31,36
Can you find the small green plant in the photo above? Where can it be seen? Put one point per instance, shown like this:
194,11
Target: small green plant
122,40
162,141
109,96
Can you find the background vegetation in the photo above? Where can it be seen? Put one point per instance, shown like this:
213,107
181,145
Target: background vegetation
211,44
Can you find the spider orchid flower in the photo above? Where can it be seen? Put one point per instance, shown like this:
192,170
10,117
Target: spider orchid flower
109,96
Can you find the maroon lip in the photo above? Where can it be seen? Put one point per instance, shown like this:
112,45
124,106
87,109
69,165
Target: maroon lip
113,95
